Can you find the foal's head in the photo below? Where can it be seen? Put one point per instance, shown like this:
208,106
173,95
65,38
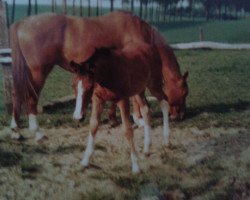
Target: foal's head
83,82
83,85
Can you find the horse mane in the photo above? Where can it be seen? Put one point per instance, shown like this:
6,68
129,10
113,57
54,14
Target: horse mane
169,60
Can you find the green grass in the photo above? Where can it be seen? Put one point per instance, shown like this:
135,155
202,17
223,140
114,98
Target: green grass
218,84
218,31
218,80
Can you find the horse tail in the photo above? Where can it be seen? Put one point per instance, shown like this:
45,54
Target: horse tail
20,73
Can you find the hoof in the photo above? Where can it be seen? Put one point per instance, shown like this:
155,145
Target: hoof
146,149
114,124
16,136
146,154
41,138
136,170
168,146
85,163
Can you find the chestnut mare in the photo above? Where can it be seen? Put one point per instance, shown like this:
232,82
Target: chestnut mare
115,75
40,42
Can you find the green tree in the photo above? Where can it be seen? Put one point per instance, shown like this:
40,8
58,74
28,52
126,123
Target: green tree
112,5
29,8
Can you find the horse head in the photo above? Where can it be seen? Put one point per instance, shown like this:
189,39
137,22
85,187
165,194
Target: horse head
176,94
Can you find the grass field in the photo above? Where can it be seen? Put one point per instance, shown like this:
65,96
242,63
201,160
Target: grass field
217,31
218,83
209,157
227,65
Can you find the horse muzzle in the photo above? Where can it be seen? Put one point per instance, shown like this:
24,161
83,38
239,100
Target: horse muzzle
177,117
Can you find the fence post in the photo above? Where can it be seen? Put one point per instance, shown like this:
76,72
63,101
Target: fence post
201,34
5,61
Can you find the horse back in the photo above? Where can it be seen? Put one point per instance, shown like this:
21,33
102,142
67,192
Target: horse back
125,72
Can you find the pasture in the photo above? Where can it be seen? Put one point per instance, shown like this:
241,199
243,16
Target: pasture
208,159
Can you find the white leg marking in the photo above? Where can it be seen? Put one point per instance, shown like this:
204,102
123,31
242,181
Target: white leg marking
78,110
34,127
88,152
33,124
138,121
166,129
135,166
13,123
147,139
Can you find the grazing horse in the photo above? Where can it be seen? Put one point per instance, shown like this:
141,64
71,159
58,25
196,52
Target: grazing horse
115,75
40,42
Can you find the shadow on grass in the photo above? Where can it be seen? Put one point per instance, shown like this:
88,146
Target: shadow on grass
8,158
60,107
218,108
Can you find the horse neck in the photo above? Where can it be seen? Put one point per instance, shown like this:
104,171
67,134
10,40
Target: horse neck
170,66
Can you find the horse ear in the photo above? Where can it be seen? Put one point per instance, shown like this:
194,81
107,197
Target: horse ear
185,76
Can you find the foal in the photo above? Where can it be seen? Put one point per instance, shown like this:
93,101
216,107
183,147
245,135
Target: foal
117,75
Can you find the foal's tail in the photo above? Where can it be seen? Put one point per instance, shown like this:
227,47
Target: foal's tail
20,73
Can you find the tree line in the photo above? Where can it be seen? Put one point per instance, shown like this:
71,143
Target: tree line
150,10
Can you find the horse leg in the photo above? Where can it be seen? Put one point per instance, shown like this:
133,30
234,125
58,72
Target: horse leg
33,123
37,81
142,102
38,76
137,117
32,109
14,124
97,108
166,129
112,115
156,90
127,128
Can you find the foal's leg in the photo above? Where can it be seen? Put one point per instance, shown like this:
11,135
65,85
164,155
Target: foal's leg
125,112
112,114
97,108
137,117
142,102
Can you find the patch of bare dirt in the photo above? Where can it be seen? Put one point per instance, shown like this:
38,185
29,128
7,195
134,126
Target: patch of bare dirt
52,170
